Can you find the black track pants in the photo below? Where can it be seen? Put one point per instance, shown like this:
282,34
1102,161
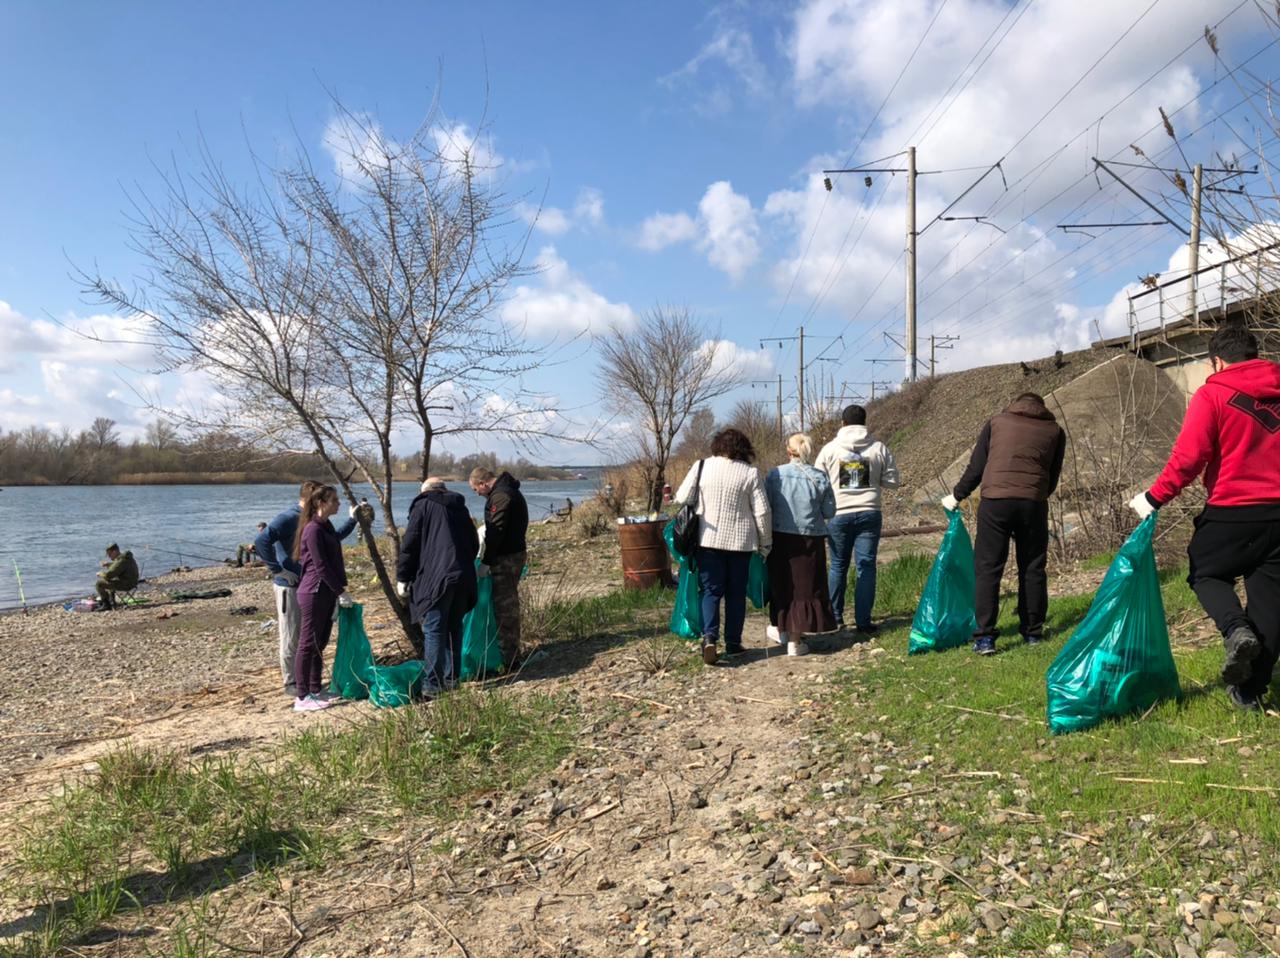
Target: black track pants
1026,522
1222,551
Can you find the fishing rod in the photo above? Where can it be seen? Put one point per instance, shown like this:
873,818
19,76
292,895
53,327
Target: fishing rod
188,555
21,594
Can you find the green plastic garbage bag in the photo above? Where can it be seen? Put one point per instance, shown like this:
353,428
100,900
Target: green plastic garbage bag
758,581
1118,659
481,652
354,674
944,618
686,614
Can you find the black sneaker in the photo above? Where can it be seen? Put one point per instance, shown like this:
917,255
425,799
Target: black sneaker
730,650
1242,648
985,645
709,655
291,691
1033,639
869,629
1243,700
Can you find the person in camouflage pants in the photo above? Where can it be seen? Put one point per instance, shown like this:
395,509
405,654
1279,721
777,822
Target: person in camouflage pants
506,522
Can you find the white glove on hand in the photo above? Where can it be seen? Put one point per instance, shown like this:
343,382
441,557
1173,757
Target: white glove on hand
950,503
1141,505
764,551
290,578
402,589
354,511
346,601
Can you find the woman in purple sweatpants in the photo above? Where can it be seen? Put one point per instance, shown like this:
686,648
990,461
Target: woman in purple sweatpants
318,551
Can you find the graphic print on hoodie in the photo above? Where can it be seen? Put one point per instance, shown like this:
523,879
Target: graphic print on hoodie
858,467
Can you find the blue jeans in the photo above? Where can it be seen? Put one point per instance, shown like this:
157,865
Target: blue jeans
442,642
723,575
854,534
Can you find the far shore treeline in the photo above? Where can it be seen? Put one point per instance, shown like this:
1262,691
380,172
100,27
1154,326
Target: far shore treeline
37,456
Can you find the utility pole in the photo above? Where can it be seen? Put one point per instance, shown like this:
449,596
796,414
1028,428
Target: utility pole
1195,245
911,264
801,381
936,343
779,404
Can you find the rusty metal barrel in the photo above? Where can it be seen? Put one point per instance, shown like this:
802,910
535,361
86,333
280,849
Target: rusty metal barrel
645,562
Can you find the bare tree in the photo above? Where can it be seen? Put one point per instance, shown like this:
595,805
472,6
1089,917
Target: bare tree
656,376
759,424
338,312
103,433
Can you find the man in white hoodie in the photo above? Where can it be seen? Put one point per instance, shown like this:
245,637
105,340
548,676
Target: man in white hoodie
859,467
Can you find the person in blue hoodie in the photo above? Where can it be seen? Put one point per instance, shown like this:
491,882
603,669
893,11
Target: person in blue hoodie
436,573
274,546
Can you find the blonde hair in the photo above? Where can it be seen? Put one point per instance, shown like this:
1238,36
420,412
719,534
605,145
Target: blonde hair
800,446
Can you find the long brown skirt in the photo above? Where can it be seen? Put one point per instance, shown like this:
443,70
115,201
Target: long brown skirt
799,600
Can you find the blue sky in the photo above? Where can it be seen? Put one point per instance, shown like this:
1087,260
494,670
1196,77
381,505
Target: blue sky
678,146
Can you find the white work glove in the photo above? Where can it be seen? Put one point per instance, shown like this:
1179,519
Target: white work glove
1141,505
402,589
950,503
764,551
354,511
482,571
346,601
290,578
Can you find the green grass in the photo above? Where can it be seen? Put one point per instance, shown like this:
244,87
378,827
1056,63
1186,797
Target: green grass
981,715
152,828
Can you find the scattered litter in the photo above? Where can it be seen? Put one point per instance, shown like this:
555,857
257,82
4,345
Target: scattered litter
245,610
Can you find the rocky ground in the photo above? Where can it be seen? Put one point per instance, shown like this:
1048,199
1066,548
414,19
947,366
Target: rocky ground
703,811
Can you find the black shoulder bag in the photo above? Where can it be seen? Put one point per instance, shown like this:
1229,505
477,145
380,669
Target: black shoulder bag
684,534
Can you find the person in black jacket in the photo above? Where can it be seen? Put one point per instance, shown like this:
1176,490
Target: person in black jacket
506,520
1017,461
436,572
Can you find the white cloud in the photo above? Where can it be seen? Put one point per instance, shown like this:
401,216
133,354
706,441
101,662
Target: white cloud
561,302
731,233
90,339
728,356
588,210
726,65
726,229
548,219
589,207
666,229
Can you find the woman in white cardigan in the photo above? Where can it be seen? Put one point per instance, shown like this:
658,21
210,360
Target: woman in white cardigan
734,522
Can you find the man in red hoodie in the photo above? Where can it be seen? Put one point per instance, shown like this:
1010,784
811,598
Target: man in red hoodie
1231,434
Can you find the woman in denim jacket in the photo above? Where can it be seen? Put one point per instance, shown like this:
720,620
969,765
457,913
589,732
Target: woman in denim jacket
802,501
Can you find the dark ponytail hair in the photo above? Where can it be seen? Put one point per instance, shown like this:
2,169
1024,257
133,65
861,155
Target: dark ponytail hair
309,509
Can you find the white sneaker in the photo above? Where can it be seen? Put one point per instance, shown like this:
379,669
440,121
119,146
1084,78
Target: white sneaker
774,635
309,704
797,648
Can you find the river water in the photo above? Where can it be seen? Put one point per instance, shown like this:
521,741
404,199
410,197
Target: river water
57,534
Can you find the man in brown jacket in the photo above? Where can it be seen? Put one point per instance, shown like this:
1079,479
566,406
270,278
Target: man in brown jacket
1017,461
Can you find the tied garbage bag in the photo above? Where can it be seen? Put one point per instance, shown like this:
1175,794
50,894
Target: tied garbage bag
686,615
481,652
944,618
354,674
1118,659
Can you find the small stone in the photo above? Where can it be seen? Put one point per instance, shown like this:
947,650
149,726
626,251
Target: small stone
697,800
862,876
604,884
1118,949
1225,918
868,918
993,920
809,928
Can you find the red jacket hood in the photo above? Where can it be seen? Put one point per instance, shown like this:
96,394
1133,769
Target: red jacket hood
1257,378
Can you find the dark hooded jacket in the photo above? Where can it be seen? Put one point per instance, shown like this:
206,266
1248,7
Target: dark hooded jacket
506,519
438,551
1018,455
